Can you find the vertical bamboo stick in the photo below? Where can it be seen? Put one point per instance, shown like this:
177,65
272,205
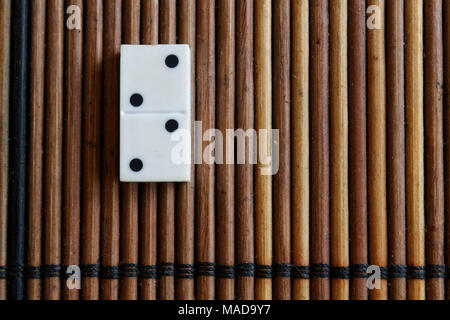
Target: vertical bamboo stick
149,191
300,149
5,16
434,150
166,214
185,192
396,148
319,144
446,13
92,141
110,164
339,150
378,254
73,100
358,148
415,149
225,114
263,125
206,76
281,121
129,191
53,148
245,118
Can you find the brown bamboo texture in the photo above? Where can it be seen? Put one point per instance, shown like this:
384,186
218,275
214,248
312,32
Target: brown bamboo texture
225,115
434,147
339,150
185,192
166,203
92,141
204,189
110,180
5,16
376,61
300,149
357,78
415,146
149,191
396,144
319,144
73,101
282,122
263,125
446,18
129,191
245,118
53,146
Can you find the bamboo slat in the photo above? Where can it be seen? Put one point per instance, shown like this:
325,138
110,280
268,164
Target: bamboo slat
225,114
319,149
110,178
415,147
205,213
149,191
245,118
376,74
129,254
434,149
300,149
53,148
282,122
92,141
5,16
357,145
73,102
446,18
263,125
185,192
339,150
396,144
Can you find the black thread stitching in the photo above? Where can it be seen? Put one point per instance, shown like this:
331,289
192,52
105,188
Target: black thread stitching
398,271
185,271
245,270
301,272
320,270
359,271
340,273
225,272
148,272
3,272
263,272
282,270
384,273
90,270
205,269
110,272
415,272
166,269
129,270
435,271
51,271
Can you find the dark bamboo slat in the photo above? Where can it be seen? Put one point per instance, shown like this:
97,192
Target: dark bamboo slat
73,102
434,147
149,191
206,100
110,220
92,141
129,253
225,115
185,192
357,144
446,18
245,119
5,28
319,144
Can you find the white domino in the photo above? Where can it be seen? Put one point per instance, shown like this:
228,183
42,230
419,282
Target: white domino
155,112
